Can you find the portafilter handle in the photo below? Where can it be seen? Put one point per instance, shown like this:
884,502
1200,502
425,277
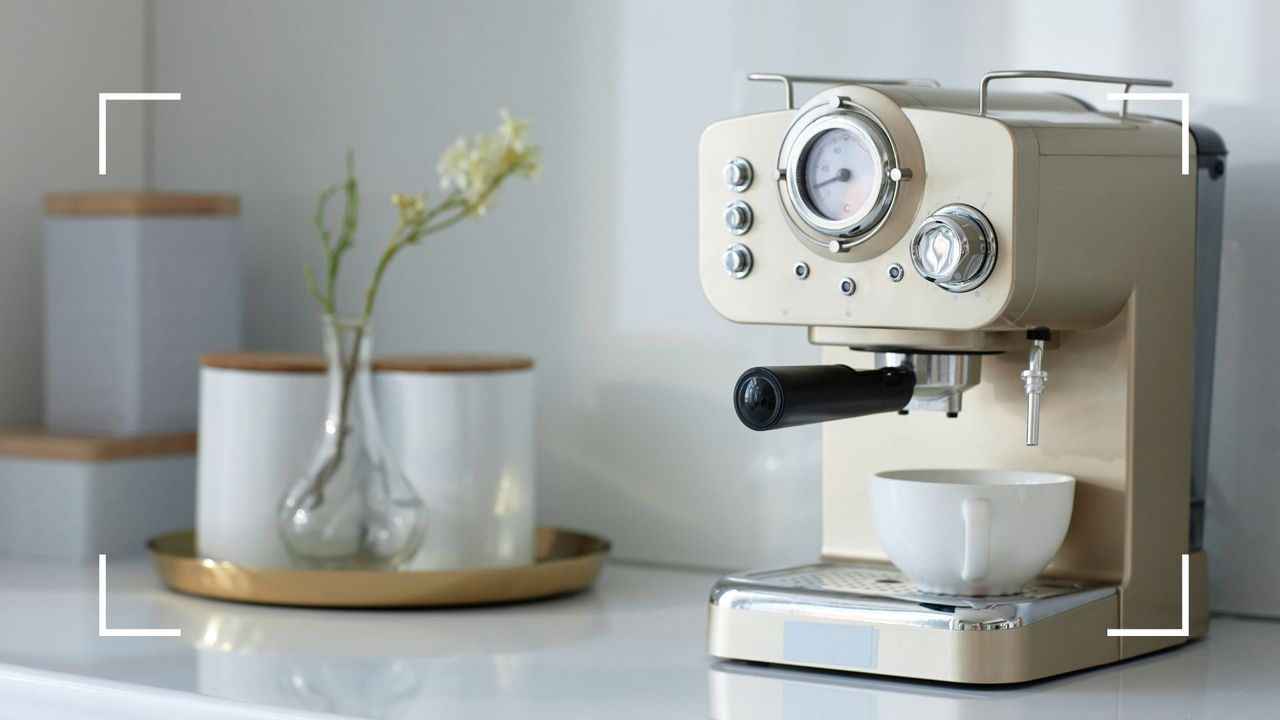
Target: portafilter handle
768,398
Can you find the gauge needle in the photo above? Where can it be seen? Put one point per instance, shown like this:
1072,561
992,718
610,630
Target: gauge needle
842,176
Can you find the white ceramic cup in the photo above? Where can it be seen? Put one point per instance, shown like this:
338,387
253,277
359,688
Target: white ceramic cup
971,532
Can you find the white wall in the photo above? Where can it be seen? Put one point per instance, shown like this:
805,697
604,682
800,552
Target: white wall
55,57
592,269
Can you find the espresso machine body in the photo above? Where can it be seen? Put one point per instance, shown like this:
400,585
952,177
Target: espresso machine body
998,240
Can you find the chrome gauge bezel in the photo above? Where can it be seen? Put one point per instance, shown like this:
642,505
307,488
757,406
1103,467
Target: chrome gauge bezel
857,228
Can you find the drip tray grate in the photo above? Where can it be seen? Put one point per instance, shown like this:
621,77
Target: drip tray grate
881,594
885,582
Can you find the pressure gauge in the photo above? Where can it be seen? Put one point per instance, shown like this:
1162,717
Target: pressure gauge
838,176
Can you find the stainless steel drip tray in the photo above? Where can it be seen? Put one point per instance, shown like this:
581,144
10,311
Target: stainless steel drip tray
880,594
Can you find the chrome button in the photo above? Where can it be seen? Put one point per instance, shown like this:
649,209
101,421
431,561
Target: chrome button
737,174
737,260
737,217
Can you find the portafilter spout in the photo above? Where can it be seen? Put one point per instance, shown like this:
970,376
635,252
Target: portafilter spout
768,398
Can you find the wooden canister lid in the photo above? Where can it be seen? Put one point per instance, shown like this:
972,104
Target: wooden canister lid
53,445
453,363
299,363
137,204
264,362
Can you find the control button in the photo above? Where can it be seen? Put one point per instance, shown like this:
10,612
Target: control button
955,248
848,286
737,260
895,272
737,174
737,217
802,271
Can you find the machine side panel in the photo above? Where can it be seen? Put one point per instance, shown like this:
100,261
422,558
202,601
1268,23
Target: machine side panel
1087,266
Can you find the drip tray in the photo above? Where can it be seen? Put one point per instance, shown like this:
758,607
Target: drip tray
881,594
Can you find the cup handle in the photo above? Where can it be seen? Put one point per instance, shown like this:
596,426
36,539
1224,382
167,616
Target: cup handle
977,538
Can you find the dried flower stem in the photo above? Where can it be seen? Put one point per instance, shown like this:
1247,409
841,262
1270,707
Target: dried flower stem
471,173
333,252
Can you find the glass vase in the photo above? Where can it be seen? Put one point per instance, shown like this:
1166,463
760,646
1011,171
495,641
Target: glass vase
350,507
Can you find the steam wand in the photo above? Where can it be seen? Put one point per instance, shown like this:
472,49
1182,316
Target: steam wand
1033,380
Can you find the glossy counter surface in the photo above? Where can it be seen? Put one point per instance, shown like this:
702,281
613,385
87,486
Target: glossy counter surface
630,648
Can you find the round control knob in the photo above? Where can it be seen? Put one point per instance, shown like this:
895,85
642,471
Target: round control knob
737,260
737,217
955,248
737,174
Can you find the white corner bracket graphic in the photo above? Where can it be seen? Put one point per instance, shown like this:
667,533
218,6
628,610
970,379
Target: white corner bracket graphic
1184,98
1184,631
104,631
102,118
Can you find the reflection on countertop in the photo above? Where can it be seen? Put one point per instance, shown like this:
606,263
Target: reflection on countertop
1232,674
631,647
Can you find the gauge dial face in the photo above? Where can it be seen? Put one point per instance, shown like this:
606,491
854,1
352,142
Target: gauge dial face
839,165
842,174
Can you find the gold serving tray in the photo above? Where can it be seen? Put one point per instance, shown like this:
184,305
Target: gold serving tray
567,562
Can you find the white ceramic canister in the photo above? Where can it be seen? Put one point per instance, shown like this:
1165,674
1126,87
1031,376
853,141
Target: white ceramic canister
260,415
461,428
71,498
136,286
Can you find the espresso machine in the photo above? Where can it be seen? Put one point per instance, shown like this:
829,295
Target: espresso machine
996,280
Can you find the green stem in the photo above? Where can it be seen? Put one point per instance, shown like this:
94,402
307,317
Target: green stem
400,239
324,299
393,247
348,366
448,222
346,237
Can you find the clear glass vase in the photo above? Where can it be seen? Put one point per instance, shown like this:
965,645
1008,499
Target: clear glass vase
350,507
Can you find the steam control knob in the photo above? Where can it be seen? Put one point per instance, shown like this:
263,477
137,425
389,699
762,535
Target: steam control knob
955,248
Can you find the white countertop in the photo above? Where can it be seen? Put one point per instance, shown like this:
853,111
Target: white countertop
631,647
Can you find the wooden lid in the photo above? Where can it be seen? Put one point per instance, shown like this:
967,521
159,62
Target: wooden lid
297,363
51,445
453,363
137,203
264,362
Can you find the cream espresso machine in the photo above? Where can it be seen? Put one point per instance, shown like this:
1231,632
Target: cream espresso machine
950,250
